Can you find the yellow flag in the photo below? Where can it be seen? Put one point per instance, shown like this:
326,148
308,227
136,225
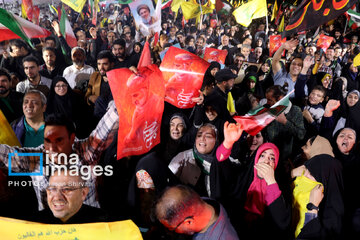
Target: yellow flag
23,12
281,25
175,5
356,61
77,5
7,135
274,11
249,11
230,104
192,10
11,229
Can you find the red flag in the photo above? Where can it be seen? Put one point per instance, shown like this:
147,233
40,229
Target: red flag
156,38
324,42
36,14
183,74
145,58
217,55
213,23
219,5
28,7
275,44
139,99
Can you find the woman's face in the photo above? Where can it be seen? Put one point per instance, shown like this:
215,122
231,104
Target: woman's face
205,140
137,48
61,88
346,141
353,69
265,67
214,71
267,157
326,81
352,99
306,149
255,141
176,128
211,113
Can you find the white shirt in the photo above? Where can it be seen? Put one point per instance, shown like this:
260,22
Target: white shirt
75,76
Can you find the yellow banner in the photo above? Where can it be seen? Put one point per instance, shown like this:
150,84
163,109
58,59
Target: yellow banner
13,229
77,5
249,11
356,60
7,135
192,10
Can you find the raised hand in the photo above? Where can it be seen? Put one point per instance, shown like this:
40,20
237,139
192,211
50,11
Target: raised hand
198,100
308,61
232,133
56,26
331,106
291,44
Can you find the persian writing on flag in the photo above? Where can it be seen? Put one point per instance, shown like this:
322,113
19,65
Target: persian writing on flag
310,14
183,75
256,120
217,55
139,99
275,44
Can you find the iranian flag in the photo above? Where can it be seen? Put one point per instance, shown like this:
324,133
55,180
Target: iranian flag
66,29
165,3
255,120
354,18
12,27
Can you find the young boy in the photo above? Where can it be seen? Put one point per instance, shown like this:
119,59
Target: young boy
314,111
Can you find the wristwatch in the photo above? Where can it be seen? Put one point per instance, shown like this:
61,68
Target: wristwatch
310,206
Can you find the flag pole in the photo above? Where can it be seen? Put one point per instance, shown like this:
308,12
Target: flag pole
347,22
267,23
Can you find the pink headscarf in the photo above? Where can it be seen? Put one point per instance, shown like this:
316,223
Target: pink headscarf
255,198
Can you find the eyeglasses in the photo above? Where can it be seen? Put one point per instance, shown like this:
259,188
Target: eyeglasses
64,191
179,224
61,86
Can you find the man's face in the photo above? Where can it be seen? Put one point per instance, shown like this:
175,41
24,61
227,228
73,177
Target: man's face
176,128
199,43
316,97
118,50
78,58
172,32
4,85
258,53
330,54
32,106
296,66
144,13
338,52
270,99
229,84
337,34
50,43
139,97
31,70
49,58
81,35
354,39
65,195
103,65
17,51
205,140
181,38
245,51
210,31
103,33
57,140
111,37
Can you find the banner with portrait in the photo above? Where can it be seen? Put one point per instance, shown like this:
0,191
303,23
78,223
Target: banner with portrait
147,19
183,75
217,55
275,44
324,42
139,99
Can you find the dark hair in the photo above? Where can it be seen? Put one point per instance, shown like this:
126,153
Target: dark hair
188,39
50,38
312,139
18,43
277,91
60,120
120,42
5,72
31,59
106,54
49,49
320,88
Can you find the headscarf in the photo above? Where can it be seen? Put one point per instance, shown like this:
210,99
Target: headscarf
61,104
321,146
351,114
208,78
255,198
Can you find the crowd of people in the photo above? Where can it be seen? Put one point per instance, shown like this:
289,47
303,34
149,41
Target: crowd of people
208,178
